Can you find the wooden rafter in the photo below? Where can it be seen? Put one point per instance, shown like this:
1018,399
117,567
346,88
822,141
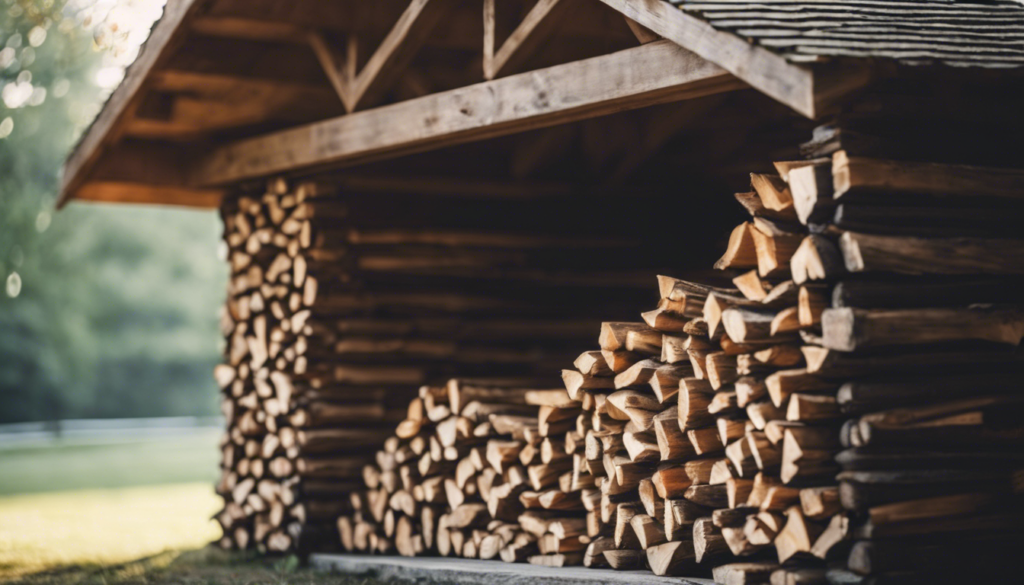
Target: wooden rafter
387,63
641,32
791,84
654,73
535,28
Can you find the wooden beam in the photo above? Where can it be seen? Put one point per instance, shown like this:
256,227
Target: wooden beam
128,192
388,62
338,65
531,33
167,33
792,84
641,32
398,48
658,72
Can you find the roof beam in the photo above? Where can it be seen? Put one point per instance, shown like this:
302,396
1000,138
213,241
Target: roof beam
791,84
390,59
531,33
654,73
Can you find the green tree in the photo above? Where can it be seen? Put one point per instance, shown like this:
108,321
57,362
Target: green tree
105,310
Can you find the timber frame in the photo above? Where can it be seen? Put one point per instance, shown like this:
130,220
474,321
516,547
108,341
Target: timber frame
241,125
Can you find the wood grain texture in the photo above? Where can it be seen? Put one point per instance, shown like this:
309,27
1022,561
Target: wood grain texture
654,73
791,84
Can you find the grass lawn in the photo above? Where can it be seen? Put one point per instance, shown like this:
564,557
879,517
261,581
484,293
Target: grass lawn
206,566
105,500
111,512
96,527
109,463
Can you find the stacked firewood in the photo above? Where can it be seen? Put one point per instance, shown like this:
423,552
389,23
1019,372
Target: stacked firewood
781,432
477,469
293,441
841,407
885,291
920,334
652,448
340,305
717,433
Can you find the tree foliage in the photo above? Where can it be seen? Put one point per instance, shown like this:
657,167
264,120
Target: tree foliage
105,310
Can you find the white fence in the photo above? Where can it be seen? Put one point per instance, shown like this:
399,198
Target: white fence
104,430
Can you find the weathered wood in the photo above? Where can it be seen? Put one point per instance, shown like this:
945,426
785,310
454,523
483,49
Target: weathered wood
836,364
641,32
868,294
672,558
817,258
872,253
744,573
741,251
388,62
654,73
531,33
849,329
856,175
794,85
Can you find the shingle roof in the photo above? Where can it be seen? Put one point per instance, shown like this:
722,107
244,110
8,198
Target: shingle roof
964,34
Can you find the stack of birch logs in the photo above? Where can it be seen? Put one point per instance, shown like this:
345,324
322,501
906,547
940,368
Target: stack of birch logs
341,304
846,410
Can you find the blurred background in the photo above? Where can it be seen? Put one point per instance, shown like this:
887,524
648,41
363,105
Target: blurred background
108,317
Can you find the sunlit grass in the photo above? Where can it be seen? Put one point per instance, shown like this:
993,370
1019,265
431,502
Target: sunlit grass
66,465
102,527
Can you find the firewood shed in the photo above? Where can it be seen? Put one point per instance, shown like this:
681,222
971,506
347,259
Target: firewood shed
721,290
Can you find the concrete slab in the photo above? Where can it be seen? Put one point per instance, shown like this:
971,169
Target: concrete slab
439,570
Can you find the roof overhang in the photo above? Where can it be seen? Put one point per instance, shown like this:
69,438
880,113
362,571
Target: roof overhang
196,111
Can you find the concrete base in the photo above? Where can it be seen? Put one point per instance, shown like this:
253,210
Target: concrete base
439,570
